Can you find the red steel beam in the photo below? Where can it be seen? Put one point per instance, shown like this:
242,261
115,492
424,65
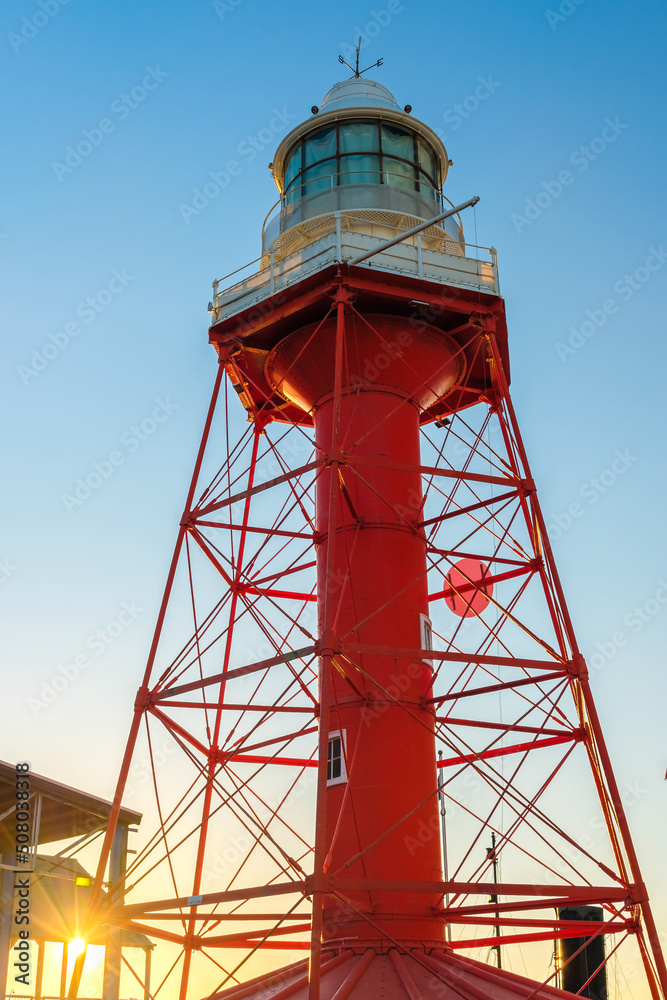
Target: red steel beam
469,509
244,494
594,893
450,720
489,688
492,942
272,661
288,594
435,654
309,537
515,748
498,578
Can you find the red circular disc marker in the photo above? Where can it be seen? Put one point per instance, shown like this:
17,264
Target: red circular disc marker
467,593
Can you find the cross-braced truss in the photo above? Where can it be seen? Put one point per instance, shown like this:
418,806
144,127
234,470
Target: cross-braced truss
231,865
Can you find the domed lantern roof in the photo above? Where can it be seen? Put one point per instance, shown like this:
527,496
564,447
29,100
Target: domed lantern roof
358,92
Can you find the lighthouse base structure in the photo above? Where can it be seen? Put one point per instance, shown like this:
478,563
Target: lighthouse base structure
300,668
396,975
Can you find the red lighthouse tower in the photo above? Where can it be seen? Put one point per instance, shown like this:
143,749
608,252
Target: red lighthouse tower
363,616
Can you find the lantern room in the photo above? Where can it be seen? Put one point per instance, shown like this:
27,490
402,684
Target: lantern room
360,152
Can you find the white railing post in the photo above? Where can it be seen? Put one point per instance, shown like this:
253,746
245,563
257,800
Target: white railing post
272,279
339,250
494,264
420,258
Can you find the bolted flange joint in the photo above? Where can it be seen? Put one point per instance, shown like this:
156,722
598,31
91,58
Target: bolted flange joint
576,667
328,645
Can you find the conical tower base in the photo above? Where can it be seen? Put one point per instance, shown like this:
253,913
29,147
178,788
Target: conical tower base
395,976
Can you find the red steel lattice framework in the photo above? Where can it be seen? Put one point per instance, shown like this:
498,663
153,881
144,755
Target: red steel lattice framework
381,452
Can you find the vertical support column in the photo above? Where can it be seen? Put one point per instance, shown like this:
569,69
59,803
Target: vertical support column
63,972
147,974
39,973
112,952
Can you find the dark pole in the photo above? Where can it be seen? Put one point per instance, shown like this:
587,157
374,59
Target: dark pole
491,854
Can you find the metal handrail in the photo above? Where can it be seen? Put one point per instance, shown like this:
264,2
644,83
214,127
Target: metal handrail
402,234
232,273
346,173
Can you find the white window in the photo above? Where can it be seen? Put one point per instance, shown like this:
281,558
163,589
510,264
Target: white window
336,773
426,630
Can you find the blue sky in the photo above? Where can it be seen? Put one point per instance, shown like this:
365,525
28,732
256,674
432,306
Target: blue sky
575,87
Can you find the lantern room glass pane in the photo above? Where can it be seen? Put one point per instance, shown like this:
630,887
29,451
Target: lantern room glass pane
320,146
428,191
293,166
397,142
398,174
427,160
359,170
359,137
319,178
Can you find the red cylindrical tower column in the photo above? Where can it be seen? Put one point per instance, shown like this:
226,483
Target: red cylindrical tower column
382,817
376,585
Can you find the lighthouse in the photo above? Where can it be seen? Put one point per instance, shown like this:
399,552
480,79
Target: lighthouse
363,633
358,174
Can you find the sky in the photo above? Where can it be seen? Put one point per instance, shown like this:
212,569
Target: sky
553,115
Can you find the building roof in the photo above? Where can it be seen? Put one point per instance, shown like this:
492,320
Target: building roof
66,812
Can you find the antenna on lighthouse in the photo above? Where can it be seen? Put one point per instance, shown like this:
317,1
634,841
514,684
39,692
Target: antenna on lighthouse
443,828
492,855
358,72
